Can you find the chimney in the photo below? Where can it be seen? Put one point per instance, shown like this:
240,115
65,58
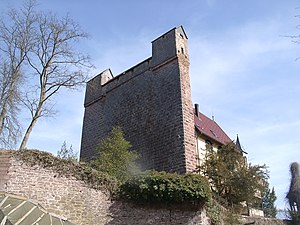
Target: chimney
197,110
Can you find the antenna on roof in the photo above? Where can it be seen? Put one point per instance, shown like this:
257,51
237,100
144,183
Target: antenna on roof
212,115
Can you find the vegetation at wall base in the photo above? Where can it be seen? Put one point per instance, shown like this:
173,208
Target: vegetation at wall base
231,218
213,210
154,187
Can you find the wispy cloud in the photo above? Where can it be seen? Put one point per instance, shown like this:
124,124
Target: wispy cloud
232,76
216,61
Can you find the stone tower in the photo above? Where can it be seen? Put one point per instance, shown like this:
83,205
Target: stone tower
151,102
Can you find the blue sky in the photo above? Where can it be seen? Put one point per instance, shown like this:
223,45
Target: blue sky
243,68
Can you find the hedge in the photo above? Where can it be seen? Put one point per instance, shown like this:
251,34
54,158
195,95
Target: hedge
166,188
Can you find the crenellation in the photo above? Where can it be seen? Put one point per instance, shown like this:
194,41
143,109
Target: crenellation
105,82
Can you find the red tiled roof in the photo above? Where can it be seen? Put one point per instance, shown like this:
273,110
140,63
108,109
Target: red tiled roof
211,129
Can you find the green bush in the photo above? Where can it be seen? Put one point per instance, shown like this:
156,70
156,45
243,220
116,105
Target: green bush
114,156
166,188
213,210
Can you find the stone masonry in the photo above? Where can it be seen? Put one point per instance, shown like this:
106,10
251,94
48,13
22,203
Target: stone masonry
151,102
69,198
4,166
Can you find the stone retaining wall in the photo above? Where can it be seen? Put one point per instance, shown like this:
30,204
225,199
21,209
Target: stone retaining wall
72,199
4,167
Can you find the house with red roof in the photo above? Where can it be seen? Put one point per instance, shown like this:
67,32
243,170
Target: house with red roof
208,131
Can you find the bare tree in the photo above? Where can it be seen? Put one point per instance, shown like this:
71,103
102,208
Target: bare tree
15,42
55,63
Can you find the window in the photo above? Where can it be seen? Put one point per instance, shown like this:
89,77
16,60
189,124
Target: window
208,142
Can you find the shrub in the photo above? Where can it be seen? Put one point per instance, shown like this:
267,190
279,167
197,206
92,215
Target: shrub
114,156
166,188
67,153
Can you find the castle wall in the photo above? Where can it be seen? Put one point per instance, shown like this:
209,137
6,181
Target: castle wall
69,198
151,102
72,199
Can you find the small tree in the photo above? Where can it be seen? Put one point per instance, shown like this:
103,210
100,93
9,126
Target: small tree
67,153
268,203
231,177
114,157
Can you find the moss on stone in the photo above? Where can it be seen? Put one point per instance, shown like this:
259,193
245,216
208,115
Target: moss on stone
80,171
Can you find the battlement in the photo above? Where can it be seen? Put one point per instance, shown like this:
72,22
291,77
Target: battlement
169,45
164,49
139,100
105,82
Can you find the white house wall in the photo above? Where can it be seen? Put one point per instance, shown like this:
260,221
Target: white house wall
201,148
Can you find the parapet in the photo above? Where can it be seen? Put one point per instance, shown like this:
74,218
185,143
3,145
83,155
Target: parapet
165,48
169,45
94,88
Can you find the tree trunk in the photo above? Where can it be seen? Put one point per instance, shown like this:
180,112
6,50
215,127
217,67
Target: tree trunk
27,133
34,119
2,116
5,99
